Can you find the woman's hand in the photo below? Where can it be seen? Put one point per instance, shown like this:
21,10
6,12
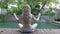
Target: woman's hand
36,19
16,16
38,16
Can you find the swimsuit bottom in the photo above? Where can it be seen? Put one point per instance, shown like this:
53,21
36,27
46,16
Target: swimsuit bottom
27,31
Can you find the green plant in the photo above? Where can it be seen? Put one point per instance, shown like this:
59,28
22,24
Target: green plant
33,4
4,5
50,12
3,21
12,11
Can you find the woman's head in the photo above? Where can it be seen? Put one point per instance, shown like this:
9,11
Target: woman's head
26,8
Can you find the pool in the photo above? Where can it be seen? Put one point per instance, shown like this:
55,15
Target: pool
41,25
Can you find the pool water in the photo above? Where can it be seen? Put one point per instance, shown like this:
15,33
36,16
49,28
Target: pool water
41,25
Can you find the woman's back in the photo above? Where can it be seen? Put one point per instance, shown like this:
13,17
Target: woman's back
27,17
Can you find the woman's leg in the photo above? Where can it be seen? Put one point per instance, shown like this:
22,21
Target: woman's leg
20,25
34,26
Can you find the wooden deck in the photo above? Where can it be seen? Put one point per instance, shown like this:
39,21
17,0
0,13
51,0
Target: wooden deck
38,31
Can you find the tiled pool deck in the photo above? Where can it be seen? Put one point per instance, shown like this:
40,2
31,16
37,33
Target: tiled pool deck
38,31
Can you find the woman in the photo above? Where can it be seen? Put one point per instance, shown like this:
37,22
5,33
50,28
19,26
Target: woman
27,17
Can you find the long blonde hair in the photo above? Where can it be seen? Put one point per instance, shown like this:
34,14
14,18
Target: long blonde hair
26,14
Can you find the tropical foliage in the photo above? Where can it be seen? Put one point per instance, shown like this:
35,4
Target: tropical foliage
36,5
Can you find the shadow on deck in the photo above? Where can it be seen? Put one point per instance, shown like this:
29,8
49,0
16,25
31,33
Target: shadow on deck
39,31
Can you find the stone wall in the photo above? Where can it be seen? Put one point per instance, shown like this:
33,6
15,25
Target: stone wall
57,13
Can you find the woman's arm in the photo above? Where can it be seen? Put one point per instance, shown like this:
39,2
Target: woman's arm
36,19
16,17
38,16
